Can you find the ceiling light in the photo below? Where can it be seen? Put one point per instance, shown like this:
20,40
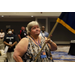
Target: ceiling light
31,16
2,16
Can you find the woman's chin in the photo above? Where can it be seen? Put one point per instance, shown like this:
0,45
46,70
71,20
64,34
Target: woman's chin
37,34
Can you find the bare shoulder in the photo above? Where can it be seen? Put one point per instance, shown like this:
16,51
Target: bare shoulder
24,40
22,46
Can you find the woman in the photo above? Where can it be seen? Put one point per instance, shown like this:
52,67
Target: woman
2,34
28,48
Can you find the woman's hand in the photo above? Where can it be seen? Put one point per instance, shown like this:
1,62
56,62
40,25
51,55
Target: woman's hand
11,46
48,41
51,44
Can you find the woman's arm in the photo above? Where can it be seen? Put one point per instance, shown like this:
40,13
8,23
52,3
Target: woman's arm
51,44
20,49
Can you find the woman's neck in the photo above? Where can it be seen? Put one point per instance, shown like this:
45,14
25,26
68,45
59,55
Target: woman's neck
34,37
36,40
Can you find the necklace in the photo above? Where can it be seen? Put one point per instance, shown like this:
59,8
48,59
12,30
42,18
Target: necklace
37,43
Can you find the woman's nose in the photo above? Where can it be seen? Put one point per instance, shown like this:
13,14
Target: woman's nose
37,29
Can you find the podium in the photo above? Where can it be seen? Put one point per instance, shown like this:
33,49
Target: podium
72,48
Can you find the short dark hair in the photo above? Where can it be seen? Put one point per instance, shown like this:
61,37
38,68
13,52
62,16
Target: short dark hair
7,29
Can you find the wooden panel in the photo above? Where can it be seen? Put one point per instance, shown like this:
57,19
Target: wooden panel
16,19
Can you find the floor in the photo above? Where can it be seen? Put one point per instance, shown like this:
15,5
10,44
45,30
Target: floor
60,55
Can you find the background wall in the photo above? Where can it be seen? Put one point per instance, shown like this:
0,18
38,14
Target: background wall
61,35
14,25
17,19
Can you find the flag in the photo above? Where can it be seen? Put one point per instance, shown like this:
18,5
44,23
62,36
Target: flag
67,19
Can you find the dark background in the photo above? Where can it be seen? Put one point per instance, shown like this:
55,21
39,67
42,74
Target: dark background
60,33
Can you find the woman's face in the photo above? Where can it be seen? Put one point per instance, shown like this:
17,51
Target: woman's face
35,30
12,30
9,31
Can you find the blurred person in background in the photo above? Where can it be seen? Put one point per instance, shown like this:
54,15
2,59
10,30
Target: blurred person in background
2,34
10,41
22,33
13,31
43,33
